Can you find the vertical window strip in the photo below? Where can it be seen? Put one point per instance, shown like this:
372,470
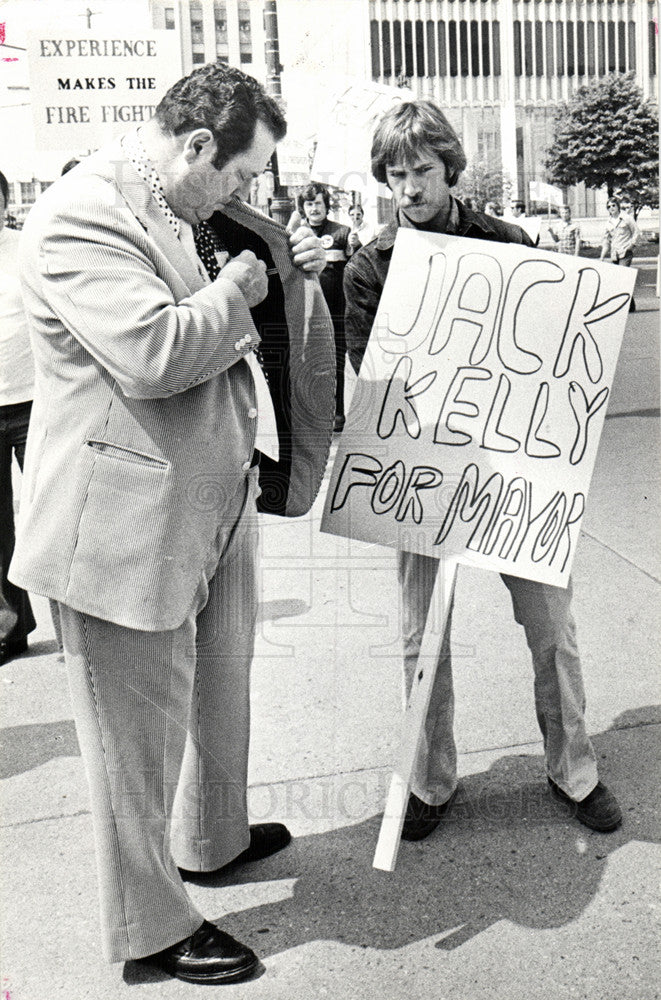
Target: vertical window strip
431,48
375,50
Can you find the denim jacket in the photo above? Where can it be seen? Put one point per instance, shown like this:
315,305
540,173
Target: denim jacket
366,272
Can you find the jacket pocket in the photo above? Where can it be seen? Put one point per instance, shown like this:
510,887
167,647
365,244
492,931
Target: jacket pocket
127,454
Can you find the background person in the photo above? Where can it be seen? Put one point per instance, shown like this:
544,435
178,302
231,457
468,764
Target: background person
619,239
418,155
314,204
16,391
146,414
566,233
362,232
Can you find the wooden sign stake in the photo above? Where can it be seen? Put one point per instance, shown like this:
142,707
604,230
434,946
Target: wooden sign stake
385,856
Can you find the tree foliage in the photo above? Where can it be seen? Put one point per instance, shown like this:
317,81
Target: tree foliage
482,183
607,134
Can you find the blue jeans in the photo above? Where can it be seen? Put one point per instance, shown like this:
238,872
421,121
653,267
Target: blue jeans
545,614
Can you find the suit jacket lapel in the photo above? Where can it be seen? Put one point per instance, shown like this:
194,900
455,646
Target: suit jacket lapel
139,198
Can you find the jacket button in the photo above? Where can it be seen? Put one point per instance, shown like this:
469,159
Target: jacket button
246,466
252,413
238,345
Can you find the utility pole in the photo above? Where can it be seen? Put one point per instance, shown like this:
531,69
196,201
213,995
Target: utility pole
281,205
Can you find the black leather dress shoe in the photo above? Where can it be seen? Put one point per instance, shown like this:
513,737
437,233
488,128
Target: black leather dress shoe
11,648
599,810
265,839
207,956
422,819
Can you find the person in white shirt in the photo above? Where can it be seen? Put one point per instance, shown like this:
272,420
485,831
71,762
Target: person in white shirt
16,391
362,232
620,237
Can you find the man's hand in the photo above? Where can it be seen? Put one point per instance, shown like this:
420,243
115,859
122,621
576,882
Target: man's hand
307,251
354,240
249,274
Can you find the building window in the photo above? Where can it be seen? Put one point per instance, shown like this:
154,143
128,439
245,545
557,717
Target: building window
652,29
486,61
198,58
452,45
385,41
475,48
517,49
580,48
527,47
442,50
591,62
495,27
539,48
463,47
611,47
571,63
169,18
632,46
622,46
397,47
549,49
560,49
246,57
374,49
431,48
408,49
601,48
420,48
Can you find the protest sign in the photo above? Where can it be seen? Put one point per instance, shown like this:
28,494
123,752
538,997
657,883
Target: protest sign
539,191
85,89
342,154
476,418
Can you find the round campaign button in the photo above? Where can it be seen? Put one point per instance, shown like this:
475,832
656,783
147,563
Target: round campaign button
327,241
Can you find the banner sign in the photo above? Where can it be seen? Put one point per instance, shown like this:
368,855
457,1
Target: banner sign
342,155
85,89
475,421
539,191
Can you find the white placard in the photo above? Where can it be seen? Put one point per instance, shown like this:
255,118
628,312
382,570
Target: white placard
86,88
476,418
342,155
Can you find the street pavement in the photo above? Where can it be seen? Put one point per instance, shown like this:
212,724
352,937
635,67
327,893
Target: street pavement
510,899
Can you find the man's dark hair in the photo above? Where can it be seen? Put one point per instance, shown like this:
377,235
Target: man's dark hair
410,127
310,193
4,188
519,204
227,102
613,201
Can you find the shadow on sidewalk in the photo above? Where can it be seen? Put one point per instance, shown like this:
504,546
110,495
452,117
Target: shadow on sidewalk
507,851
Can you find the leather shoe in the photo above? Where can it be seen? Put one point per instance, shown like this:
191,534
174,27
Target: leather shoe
599,810
265,839
422,819
10,648
207,956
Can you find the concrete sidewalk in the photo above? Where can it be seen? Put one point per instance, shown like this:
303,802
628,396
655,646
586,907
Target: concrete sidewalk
510,899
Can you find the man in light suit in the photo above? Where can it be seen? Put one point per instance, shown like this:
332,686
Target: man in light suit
138,506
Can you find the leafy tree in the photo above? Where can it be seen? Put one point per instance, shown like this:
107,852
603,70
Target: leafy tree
607,134
482,183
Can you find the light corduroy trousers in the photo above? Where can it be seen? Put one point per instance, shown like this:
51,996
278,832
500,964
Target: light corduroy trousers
163,725
545,614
